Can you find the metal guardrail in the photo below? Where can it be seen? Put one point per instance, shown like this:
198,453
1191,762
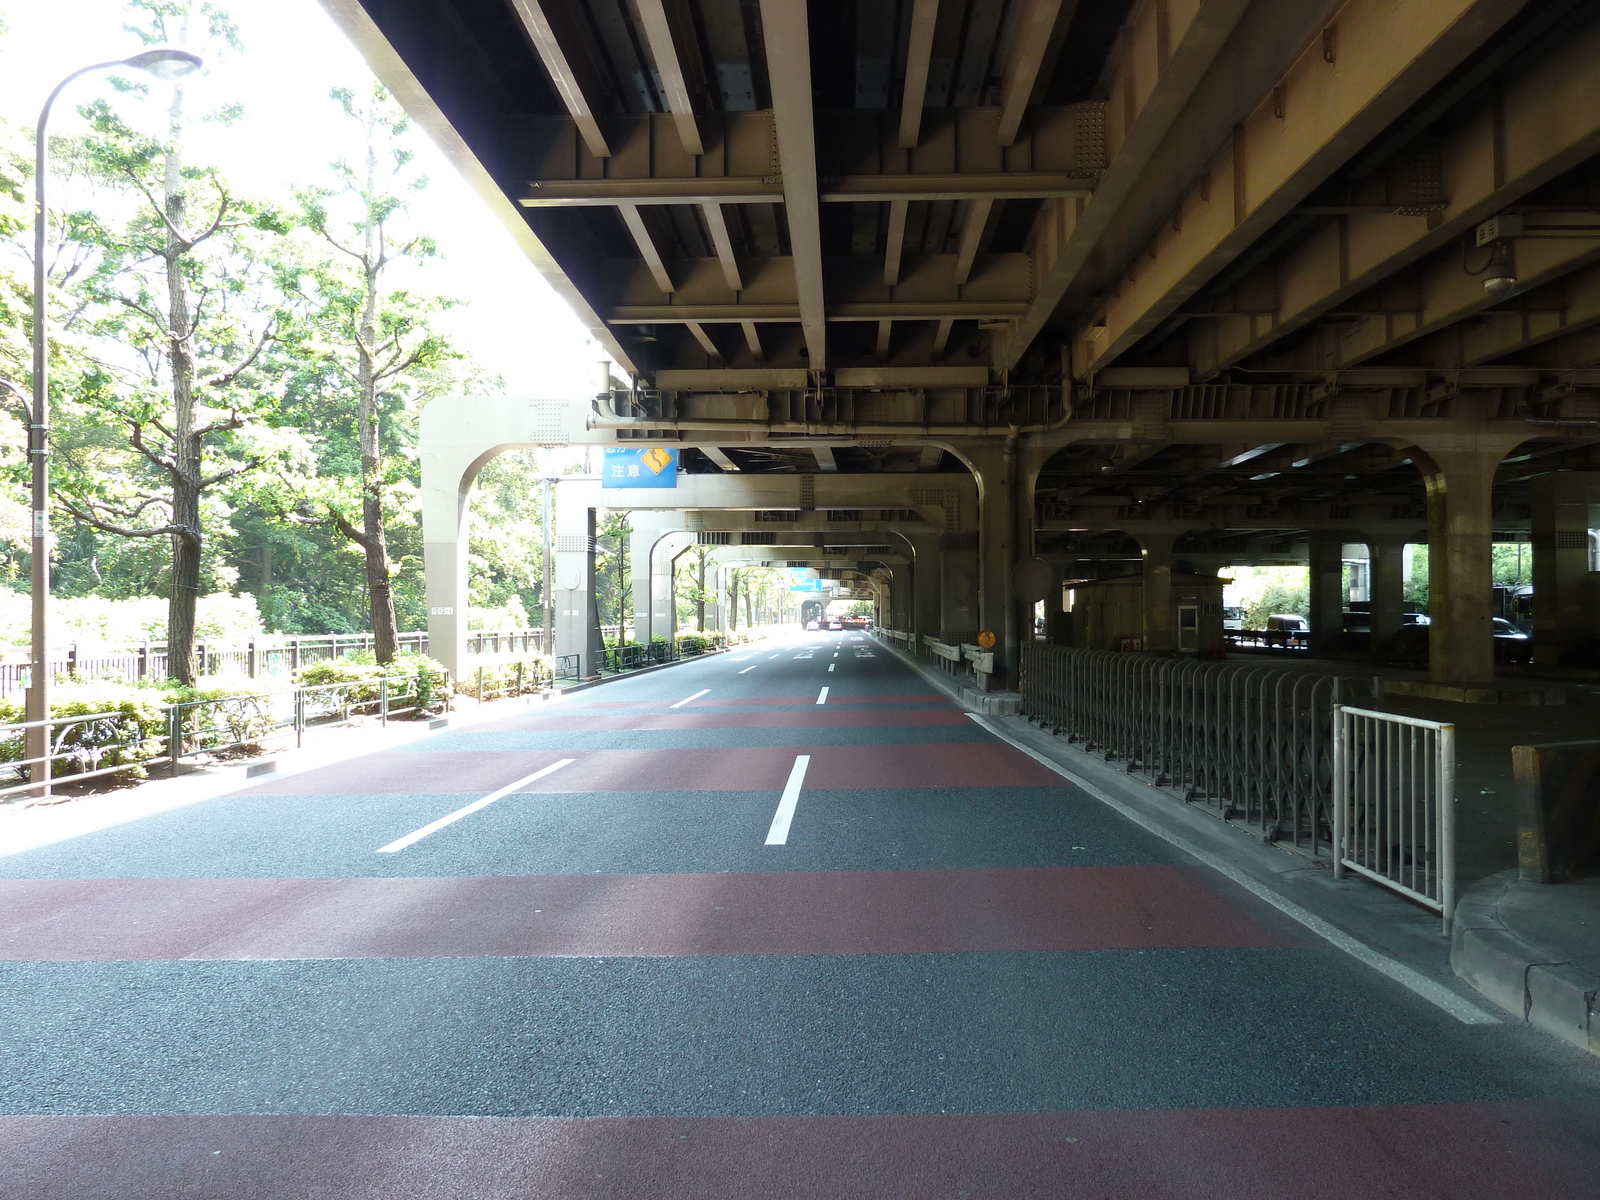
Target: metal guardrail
276,654
1394,818
566,666
1254,743
92,745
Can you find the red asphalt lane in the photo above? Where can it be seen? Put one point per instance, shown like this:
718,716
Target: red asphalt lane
696,769
1388,1152
801,912
818,717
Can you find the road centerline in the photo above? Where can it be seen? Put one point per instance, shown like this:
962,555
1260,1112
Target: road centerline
778,834
696,696
483,802
749,669
822,697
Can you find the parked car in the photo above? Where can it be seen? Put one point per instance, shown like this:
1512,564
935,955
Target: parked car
1510,643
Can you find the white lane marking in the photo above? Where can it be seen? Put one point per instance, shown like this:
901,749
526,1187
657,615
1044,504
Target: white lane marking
696,696
749,669
778,835
484,802
1434,993
830,666
823,697
774,656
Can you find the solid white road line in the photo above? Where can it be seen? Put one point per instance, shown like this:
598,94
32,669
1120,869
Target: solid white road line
435,826
696,696
830,666
749,669
1434,993
778,835
823,698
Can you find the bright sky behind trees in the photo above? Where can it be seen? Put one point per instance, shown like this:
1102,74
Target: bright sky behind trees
512,323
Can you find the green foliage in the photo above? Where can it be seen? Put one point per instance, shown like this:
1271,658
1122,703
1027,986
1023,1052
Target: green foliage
493,678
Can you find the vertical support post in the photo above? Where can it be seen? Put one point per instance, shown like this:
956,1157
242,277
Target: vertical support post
1388,594
383,701
174,738
144,659
299,718
72,660
1327,591
1341,786
1446,776
1460,535
250,658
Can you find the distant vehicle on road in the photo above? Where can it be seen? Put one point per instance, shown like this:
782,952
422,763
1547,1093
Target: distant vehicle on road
1232,617
813,625
835,625
1510,643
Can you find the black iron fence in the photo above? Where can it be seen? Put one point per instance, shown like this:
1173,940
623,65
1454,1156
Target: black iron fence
1253,742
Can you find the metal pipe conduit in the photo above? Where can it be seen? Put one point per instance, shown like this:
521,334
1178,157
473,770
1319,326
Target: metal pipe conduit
1254,743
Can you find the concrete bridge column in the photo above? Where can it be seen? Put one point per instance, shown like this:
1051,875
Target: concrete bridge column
958,585
996,469
1160,633
644,530
1563,600
1460,537
922,585
1388,603
1326,576
577,624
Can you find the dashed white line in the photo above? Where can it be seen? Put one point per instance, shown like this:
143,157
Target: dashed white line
823,697
696,696
830,666
484,802
749,669
778,835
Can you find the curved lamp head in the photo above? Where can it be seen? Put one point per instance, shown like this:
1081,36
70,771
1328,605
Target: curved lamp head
165,63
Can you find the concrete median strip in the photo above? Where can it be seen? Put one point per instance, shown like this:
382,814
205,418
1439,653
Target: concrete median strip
450,818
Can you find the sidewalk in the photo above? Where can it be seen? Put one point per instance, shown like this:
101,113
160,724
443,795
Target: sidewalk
1534,949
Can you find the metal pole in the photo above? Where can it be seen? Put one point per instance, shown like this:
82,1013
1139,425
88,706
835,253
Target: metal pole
1447,824
546,596
1341,786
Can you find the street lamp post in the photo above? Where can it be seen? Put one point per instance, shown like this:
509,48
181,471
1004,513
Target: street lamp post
167,64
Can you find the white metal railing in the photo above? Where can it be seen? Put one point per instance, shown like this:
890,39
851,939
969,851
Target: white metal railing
1394,804
124,742
264,655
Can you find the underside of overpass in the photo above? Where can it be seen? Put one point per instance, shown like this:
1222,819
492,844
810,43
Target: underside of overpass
957,301
1217,270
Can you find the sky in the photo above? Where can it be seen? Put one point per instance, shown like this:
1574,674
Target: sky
513,323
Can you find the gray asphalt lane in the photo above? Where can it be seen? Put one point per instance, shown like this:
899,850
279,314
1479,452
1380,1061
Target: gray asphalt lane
761,1034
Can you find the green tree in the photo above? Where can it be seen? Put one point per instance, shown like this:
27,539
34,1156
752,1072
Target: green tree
185,300
373,341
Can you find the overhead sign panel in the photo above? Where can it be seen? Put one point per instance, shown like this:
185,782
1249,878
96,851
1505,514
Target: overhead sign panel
804,579
639,467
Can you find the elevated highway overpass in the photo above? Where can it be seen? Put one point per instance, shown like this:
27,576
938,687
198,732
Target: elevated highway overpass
920,292
1194,272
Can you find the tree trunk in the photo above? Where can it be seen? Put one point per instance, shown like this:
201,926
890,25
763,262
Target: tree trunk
733,601
700,594
187,445
375,545
749,615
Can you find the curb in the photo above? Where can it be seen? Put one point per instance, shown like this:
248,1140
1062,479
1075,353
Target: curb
1534,985
637,671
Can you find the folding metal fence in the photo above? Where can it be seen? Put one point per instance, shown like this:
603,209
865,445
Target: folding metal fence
1253,742
1394,804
